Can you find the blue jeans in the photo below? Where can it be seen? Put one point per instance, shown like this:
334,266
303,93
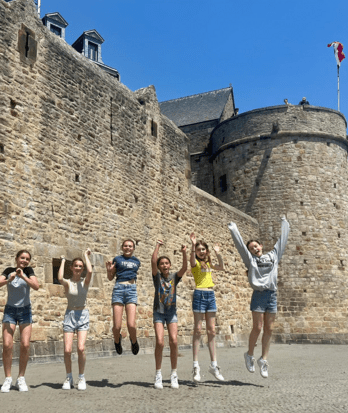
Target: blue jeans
169,316
204,301
124,294
20,315
264,301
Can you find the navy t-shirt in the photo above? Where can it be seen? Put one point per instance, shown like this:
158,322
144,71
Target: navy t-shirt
126,268
18,291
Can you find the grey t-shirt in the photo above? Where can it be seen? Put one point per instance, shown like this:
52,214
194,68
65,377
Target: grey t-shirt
262,271
18,291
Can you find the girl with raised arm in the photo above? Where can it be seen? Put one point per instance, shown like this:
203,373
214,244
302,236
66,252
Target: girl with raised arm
203,304
262,276
18,279
125,268
76,317
164,311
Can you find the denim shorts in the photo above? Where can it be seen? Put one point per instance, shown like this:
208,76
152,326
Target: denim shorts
76,320
124,294
204,301
169,316
20,315
264,301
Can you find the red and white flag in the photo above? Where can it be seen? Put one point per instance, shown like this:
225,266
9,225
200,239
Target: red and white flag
338,50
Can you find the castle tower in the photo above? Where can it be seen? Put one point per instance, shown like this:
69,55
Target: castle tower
293,160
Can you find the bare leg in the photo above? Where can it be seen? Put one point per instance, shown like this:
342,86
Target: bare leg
117,310
68,341
255,332
25,330
131,310
159,331
173,344
197,332
269,320
7,337
81,341
210,325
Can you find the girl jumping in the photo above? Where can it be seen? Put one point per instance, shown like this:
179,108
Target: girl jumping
18,279
124,294
164,311
76,317
262,276
204,305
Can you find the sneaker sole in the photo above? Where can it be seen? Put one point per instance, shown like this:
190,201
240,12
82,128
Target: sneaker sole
212,373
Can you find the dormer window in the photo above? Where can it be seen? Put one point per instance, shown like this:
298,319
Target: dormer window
93,51
56,30
55,23
89,44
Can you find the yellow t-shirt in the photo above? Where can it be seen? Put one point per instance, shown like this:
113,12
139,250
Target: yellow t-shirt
202,276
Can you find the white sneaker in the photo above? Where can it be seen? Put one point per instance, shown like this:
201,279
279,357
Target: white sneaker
158,382
196,373
81,385
6,387
174,381
249,362
21,384
215,371
68,383
263,364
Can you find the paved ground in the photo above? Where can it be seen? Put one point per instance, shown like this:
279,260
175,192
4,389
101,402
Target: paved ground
303,378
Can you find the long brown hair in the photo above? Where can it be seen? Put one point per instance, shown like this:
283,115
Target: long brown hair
207,255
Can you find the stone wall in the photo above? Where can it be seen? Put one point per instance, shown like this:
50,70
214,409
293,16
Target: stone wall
201,168
85,162
299,169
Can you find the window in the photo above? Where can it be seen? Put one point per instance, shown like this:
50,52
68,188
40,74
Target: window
153,128
67,270
93,51
56,30
223,183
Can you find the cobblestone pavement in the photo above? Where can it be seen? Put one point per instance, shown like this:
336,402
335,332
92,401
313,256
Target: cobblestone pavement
303,378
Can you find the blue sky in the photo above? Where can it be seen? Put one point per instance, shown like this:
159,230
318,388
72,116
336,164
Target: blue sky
267,49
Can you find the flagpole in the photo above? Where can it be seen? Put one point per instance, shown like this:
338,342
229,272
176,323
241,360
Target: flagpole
39,7
338,86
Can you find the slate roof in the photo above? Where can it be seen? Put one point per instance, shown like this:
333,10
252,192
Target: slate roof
196,108
56,17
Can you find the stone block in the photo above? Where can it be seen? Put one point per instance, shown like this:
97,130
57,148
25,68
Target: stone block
56,290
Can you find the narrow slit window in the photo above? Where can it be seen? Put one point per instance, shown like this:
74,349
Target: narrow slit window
223,183
153,128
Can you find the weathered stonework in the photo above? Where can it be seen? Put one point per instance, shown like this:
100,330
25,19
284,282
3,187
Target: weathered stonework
85,162
293,160
80,167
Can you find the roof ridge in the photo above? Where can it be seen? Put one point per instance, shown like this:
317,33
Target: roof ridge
196,94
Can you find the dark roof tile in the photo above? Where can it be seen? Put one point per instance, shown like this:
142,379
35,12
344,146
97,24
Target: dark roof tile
196,108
